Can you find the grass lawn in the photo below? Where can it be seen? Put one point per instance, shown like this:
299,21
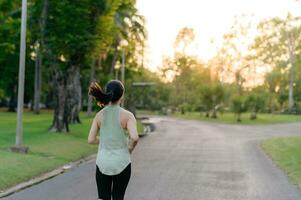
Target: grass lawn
286,153
229,118
140,127
46,150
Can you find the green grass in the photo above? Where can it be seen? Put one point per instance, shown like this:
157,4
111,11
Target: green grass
46,150
140,127
228,117
147,112
286,153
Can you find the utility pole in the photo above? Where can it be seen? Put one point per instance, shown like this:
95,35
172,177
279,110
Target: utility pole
123,67
123,44
19,131
292,62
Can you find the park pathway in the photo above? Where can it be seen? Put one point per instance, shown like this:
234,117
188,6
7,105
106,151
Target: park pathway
188,160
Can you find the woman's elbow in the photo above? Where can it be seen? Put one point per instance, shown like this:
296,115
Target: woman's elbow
136,139
90,141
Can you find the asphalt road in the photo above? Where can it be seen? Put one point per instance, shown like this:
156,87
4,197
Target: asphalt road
188,160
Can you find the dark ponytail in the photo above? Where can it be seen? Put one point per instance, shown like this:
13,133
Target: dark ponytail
100,96
114,91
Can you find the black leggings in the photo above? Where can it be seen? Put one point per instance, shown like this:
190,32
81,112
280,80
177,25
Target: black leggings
112,186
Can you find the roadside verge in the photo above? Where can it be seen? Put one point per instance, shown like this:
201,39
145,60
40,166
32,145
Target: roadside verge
46,176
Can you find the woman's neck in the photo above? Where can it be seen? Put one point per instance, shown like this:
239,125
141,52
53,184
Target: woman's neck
113,104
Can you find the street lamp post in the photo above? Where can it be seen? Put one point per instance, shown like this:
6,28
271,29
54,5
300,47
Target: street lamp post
123,45
117,68
19,131
123,67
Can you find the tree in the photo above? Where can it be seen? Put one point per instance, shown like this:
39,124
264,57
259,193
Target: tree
230,62
183,70
184,39
117,23
273,81
67,46
40,12
238,106
255,102
212,95
276,45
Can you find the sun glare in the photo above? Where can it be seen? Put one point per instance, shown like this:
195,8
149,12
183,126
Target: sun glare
209,19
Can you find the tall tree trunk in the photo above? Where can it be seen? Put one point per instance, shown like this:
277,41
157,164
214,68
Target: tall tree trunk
60,118
214,114
272,104
37,82
39,59
113,63
67,90
238,115
291,49
291,89
74,92
68,97
92,77
253,115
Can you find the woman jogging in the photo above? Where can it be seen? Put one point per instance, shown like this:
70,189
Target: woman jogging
113,163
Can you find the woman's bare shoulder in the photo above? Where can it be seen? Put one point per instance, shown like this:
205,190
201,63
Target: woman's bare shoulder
126,113
99,115
99,112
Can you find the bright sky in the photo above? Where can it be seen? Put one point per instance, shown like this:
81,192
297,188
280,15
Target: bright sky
210,20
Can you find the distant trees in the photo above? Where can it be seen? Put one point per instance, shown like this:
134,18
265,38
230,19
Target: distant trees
255,76
212,97
255,102
278,45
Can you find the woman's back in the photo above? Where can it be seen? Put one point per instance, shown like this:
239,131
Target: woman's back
112,134
113,154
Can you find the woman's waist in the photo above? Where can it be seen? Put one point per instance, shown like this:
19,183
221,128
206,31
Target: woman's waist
113,156
113,151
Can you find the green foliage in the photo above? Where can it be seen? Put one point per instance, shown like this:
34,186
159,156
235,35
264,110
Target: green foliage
278,45
153,97
68,42
9,46
9,51
212,97
255,102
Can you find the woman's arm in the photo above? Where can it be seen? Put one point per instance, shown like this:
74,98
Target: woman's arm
132,128
92,138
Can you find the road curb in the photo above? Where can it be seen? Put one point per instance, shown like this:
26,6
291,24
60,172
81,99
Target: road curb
46,176
149,124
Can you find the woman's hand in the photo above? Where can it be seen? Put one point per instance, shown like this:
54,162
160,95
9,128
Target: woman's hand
133,133
93,138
